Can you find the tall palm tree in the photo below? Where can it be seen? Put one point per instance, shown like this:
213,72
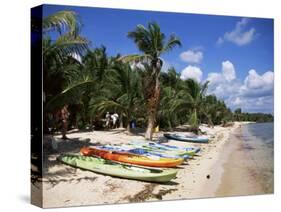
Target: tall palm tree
152,43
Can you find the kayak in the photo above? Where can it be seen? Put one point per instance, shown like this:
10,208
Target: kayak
187,138
125,157
154,149
111,168
191,151
148,152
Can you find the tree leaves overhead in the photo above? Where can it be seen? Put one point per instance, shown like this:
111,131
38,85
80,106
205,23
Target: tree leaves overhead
62,21
92,82
151,41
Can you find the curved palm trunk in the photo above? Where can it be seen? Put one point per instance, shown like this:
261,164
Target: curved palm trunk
128,122
128,127
194,121
153,101
121,125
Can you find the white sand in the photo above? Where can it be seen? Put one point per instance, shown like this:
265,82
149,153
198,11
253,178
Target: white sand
67,186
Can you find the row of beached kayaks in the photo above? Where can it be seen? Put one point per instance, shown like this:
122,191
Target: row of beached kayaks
138,160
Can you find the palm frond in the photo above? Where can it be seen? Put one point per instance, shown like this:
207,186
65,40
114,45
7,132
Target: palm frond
66,96
135,58
62,21
171,43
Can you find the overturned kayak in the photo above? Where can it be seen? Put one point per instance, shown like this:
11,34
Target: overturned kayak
187,138
111,168
139,150
125,157
191,151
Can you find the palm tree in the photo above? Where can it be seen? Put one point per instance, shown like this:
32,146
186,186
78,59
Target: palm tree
60,59
152,43
167,113
192,102
121,93
171,79
95,64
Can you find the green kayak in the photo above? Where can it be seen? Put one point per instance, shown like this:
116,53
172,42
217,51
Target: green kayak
127,171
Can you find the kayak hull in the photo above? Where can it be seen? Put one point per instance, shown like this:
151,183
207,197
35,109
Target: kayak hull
145,151
181,151
186,138
106,167
131,158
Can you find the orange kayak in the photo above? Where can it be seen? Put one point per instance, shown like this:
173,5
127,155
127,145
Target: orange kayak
131,158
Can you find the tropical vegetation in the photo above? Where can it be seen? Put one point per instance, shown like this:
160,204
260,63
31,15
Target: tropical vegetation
92,83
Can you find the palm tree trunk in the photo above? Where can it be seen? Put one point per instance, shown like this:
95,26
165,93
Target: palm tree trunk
194,121
128,122
121,125
170,124
128,127
150,125
153,101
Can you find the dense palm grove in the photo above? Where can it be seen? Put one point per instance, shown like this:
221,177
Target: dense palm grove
91,83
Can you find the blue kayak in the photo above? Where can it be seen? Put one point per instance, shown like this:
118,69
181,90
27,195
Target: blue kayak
165,146
141,151
187,138
189,150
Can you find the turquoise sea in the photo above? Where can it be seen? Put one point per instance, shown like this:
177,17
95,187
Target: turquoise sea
259,143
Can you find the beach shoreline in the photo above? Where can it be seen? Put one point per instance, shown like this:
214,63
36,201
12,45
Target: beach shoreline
200,177
241,175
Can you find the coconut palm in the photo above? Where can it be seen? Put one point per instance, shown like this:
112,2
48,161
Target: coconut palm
121,93
68,43
95,64
167,114
152,43
192,102
61,59
171,79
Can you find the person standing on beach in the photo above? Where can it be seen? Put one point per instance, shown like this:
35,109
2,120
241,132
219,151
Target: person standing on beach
107,119
115,117
64,118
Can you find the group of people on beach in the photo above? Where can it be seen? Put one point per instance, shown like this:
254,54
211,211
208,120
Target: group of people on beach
62,116
111,120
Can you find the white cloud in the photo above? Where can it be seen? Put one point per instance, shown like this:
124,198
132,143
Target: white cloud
253,94
192,56
239,35
166,65
219,81
256,81
228,70
256,85
137,65
259,104
192,72
76,57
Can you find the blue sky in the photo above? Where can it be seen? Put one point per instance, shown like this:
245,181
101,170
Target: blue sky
234,53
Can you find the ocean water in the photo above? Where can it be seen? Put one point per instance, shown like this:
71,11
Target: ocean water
258,141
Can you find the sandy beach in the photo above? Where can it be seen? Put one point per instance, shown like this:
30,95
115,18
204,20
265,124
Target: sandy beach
218,170
250,180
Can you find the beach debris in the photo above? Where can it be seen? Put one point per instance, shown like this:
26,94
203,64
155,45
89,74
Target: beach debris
208,176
